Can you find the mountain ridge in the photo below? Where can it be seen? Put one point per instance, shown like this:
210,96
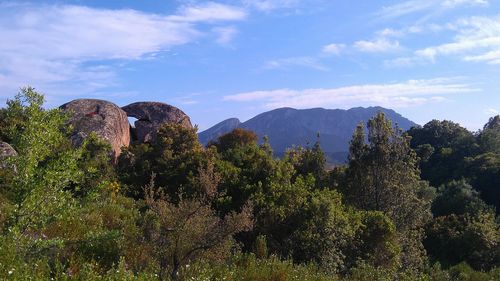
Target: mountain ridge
286,127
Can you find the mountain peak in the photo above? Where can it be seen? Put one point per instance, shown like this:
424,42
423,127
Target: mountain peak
287,127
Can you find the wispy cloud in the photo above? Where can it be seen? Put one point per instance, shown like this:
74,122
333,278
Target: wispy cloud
225,34
379,45
456,3
208,12
409,93
491,111
269,5
334,49
308,62
410,30
189,99
416,6
477,40
49,45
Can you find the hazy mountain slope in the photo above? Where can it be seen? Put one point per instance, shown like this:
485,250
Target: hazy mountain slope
286,127
218,130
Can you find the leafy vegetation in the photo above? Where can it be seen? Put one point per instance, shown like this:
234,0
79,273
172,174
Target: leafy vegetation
416,205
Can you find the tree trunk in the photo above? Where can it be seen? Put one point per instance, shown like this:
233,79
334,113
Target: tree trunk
174,275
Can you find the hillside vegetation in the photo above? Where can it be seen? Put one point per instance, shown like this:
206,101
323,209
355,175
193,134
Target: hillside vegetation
415,205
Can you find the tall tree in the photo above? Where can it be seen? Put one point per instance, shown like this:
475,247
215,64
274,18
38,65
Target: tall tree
442,147
483,170
383,175
182,231
309,161
174,158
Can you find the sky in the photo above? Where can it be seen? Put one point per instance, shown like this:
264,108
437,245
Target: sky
426,59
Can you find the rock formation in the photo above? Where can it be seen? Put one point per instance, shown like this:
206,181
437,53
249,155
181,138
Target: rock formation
104,118
151,115
5,151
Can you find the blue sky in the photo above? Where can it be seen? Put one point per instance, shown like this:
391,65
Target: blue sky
427,59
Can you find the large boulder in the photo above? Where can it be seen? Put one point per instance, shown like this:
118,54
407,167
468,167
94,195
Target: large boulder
6,151
104,118
151,115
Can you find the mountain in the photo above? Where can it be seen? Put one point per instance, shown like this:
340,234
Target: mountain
287,127
218,130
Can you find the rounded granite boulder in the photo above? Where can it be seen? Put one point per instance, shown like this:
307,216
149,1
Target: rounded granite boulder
6,151
104,118
151,115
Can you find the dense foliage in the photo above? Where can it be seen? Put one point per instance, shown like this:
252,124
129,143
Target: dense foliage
420,205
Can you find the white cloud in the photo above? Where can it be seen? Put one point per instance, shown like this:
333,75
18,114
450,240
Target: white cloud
378,45
477,39
405,62
225,34
492,57
491,111
415,6
334,49
413,29
49,45
269,5
409,93
456,3
308,62
208,12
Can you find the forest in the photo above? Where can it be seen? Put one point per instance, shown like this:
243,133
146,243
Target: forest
416,205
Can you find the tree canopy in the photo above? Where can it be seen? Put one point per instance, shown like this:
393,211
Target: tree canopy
417,205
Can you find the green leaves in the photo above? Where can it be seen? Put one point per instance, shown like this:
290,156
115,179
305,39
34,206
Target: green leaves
383,176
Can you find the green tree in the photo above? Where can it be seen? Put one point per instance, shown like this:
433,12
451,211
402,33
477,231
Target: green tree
3,125
383,175
483,169
46,223
443,147
96,162
309,161
458,197
246,168
236,138
376,241
174,158
489,137
179,233
474,239
46,164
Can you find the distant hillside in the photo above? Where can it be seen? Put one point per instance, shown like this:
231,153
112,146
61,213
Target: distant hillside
286,127
218,130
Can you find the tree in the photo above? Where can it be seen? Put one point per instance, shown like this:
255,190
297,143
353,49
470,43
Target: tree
443,147
483,169
453,239
489,137
46,163
236,138
322,232
61,209
3,125
309,161
96,162
181,232
383,175
376,241
175,158
459,198
245,167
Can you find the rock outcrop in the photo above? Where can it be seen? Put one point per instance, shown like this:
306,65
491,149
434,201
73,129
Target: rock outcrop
104,118
151,115
6,151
